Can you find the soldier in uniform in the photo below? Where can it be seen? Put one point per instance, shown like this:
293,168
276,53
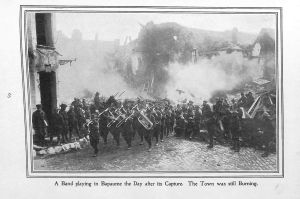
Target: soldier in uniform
138,128
104,130
190,124
168,122
149,133
242,102
206,110
211,124
197,121
79,114
236,129
94,134
226,124
156,120
172,120
65,125
180,124
57,126
127,129
162,125
39,125
72,121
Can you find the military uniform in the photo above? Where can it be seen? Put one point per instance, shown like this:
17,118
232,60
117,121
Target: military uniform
39,126
73,122
157,127
94,135
190,124
57,127
104,130
211,128
236,129
180,125
197,121
65,125
127,131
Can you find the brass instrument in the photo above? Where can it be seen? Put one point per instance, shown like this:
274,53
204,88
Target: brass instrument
113,119
103,112
120,116
125,118
144,120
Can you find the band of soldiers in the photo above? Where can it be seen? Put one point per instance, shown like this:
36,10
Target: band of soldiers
150,121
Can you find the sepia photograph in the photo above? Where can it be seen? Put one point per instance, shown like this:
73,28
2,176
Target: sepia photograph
165,90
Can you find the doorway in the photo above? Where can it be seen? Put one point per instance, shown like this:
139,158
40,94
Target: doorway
48,94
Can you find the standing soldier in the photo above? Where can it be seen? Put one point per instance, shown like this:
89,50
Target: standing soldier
197,120
39,125
206,110
190,123
236,131
211,124
79,114
65,125
94,134
242,101
72,120
180,124
172,122
168,122
57,127
162,125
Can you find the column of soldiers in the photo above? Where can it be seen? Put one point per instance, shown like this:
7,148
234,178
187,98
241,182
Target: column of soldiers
150,121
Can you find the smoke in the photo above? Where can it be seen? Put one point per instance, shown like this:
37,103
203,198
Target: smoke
200,80
80,79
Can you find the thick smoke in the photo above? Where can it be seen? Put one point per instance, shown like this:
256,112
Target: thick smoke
200,80
77,80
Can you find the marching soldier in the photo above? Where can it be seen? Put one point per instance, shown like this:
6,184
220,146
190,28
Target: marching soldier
156,120
94,134
127,129
104,130
149,133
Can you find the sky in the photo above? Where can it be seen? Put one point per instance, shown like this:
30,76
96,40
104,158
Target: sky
111,26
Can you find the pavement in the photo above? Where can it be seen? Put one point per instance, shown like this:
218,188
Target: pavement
171,155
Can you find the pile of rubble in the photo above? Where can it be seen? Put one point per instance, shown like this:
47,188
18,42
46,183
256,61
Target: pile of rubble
63,148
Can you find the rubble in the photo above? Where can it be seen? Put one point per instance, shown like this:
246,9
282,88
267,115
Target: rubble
73,146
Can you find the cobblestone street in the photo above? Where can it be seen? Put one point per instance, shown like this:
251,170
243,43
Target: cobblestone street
172,155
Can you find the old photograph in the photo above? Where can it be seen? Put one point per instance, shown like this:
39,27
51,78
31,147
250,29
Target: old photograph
152,90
